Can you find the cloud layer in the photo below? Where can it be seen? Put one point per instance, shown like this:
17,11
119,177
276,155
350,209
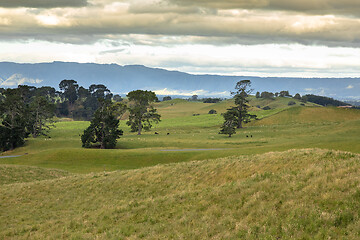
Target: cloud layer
320,22
42,3
253,37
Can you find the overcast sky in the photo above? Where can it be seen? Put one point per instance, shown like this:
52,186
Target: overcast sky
303,38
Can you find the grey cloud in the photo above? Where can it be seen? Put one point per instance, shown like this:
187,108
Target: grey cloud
42,3
248,27
112,51
345,7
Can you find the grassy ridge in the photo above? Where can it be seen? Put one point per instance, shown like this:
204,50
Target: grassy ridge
182,108
301,194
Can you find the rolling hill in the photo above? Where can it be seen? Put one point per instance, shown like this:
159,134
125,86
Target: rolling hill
296,194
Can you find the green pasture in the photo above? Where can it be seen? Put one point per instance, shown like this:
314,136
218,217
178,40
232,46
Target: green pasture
278,130
293,174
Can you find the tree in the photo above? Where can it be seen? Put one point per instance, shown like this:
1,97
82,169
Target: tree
117,98
13,112
48,92
211,100
104,126
100,91
41,111
167,98
70,90
235,116
212,111
257,95
142,114
230,122
194,98
284,94
297,96
240,95
267,95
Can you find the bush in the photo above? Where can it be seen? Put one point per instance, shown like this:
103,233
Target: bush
196,114
291,103
266,108
211,100
212,111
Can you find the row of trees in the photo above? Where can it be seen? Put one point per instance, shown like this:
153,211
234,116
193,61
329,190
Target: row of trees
72,100
23,111
104,126
28,110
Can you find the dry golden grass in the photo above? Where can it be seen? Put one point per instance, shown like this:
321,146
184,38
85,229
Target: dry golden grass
296,194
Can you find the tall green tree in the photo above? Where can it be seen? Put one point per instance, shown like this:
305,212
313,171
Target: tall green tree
41,111
70,90
13,115
104,127
242,91
235,116
142,113
230,122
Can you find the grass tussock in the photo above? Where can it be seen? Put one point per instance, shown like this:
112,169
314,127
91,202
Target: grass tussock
296,194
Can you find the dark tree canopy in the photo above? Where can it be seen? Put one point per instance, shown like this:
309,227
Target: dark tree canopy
70,90
235,116
117,98
240,96
194,97
142,114
267,95
104,127
284,94
230,122
297,96
13,112
324,101
41,111
167,98
100,91
211,100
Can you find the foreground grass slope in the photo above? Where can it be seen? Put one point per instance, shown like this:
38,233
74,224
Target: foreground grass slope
296,194
18,174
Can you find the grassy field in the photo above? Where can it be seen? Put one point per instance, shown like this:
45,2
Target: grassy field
296,194
293,174
279,129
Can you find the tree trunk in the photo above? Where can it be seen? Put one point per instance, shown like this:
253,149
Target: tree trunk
139,127
102,145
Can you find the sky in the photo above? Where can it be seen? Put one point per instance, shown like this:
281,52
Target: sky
285,38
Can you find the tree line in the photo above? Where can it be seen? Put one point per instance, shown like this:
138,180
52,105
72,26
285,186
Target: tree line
27,110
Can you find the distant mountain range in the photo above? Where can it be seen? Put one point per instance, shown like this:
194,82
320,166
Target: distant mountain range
122,79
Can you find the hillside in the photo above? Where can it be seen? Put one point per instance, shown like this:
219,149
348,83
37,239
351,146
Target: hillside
21,174
296,115
296,194
183,108
279,129
122,79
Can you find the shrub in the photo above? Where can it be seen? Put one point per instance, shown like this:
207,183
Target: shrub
291,103
212,111
266,108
